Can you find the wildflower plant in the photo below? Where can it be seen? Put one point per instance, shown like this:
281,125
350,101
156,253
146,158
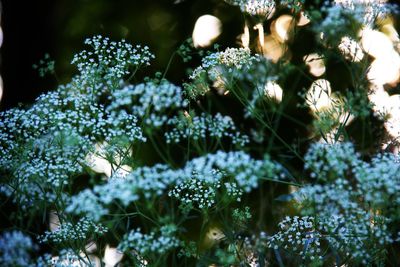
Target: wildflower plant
252,160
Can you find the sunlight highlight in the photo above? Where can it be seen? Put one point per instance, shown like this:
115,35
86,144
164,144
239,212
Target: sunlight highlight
1,36
350,49
273,49
389,106
316,64
303,20
97,162
206,30
273,91
54,221
319,95
375,43
112,256
385,70
282,28
245,36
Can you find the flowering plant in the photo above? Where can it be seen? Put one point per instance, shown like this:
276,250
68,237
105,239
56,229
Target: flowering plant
109,170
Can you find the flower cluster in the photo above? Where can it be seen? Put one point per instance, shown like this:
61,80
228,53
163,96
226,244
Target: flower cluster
48,165
196,191
91,204
379,181
222,68
201,190
246,171
263,8
68,231
298,234
15,249
232,58
200,127
345,18
64,110
329,161
347,235
65,258
338,23
143,182
371,232
236,171
150,102
233,190
102,68
37,165
158,242
332,198
366,11
45,146
353,202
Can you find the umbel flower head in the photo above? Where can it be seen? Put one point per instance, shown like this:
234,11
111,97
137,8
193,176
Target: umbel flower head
262,8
